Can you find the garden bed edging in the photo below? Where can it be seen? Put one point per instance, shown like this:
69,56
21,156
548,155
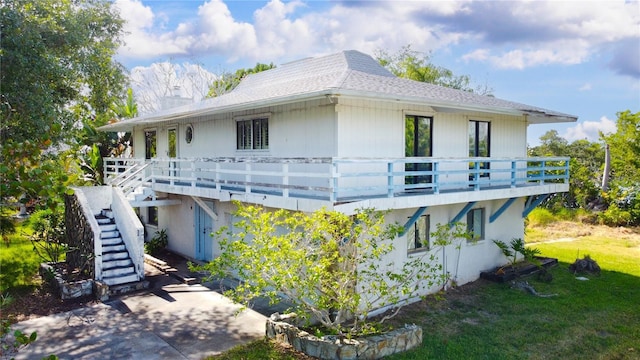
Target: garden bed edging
331,348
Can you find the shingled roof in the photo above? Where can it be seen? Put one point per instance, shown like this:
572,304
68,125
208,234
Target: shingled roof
348,73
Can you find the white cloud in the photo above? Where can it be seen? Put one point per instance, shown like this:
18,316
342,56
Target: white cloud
590,129
552,32
585,87
142,39
527,34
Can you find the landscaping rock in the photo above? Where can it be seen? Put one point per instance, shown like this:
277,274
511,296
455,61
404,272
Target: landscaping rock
333,348
585,265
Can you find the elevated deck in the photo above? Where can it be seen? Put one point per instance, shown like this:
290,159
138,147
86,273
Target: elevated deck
309,183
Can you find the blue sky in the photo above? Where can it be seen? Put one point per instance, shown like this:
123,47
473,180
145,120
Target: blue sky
577,57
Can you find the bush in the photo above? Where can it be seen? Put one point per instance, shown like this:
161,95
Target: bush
332,267
157,243
48,237
614,216
540,217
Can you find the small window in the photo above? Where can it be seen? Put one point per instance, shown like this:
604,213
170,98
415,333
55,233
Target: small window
418,235
188,134
252,134
475,224
152,215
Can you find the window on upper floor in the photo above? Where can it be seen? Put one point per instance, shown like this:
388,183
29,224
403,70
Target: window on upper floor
475,223
418,235
479,143
149,144
252,134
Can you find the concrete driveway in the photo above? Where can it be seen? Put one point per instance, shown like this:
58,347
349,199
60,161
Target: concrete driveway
171,320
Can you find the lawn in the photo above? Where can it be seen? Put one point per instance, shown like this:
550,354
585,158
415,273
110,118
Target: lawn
18,263
594,319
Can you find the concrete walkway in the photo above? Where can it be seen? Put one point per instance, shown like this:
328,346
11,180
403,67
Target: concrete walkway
171,320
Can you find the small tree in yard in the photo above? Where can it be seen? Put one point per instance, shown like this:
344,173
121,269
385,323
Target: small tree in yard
332,267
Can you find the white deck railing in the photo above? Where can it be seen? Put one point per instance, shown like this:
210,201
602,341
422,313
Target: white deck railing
344,179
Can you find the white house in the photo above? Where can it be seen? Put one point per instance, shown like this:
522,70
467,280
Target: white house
341,132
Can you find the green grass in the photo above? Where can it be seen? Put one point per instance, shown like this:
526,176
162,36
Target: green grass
594,319
614,254
18,263
257,350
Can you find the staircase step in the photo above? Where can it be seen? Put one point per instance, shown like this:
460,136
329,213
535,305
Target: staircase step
115,256
118,271
107,213
120,279
112,241
113,248
103,220
110,234
108,227
106,265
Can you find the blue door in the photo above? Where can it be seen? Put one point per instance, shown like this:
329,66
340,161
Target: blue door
204,240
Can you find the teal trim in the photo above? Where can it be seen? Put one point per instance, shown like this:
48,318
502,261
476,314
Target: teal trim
533,204
501,210
462,213
413,219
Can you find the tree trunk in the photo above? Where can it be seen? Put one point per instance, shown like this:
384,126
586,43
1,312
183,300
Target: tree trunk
607,168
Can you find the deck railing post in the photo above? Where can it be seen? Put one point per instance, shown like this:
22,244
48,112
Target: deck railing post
476,175
390,179
514,167
216,176
333,194
247,178
285,180
436,177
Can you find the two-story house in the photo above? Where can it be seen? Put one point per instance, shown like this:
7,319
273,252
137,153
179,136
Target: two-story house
341,132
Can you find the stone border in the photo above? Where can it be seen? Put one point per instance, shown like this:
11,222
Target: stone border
330,348
67,290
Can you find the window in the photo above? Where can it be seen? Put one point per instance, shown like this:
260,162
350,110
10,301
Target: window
188,134
479,143
418,235
152,215
475,224
150,144
418,143
252,134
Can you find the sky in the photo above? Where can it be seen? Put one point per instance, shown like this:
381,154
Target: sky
576,57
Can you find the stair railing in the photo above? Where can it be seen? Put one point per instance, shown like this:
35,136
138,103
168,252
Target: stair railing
130,228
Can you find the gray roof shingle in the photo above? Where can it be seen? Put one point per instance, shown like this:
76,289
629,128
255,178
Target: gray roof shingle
345,73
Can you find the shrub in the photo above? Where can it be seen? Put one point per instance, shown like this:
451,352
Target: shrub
614,216
540,217
157,243
332,267
48,237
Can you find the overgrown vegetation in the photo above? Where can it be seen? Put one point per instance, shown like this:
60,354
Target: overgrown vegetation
597,318
332,267
618,202
157,243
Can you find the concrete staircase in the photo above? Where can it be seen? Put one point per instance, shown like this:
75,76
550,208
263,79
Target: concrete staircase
117,266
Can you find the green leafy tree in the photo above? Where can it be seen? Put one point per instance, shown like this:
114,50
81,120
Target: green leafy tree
585,169
228,81
624,193
330,266
411,64
56,69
